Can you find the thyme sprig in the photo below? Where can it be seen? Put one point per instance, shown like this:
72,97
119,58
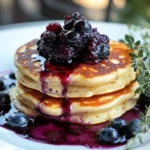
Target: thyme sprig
140,57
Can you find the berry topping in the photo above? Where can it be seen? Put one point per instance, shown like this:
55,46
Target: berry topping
12,76
82,26
73,38
17,121
109,135
76,43
62,55
119,124
134,127
70,20
104,39
54,27
48,36
2,86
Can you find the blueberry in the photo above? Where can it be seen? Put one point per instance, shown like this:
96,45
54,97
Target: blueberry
17,121
134,127
12,76
74,39
119,124
82,26
69,24
109,135
4,99
76,15
2,85
70,20
104,39
12,85
103,51
5,109
54,27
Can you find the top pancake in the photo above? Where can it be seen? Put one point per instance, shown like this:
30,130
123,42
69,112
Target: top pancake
116,70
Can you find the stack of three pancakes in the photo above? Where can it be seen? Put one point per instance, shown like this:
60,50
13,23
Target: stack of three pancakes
95,93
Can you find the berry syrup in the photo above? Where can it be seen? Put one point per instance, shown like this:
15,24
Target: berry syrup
51,131
63,73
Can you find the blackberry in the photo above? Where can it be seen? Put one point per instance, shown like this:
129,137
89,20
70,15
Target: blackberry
62,54
44,48
48,36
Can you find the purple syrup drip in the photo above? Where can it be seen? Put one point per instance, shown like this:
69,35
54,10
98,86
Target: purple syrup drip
62,72
66,107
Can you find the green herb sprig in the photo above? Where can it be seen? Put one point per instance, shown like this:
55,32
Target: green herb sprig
140,58
138,63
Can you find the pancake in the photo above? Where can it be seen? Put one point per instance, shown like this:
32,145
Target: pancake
91,110
84,81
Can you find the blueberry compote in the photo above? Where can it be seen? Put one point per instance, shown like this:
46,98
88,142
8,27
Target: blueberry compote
76,42
66,48
46,130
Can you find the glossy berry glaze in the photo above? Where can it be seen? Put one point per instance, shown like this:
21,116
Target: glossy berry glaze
65,48
52,131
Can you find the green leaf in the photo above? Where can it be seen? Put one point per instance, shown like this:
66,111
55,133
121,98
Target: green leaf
133,55
122,41
140,53
140,139
129,38
137,90
142,115
137,43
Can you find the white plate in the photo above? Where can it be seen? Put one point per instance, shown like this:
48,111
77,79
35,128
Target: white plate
12,37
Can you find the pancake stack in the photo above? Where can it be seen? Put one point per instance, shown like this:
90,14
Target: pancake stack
95,93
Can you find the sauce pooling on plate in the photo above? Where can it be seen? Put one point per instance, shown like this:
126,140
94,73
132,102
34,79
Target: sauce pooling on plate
46,130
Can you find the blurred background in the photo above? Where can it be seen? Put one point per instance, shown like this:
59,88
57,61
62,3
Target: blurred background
123,11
